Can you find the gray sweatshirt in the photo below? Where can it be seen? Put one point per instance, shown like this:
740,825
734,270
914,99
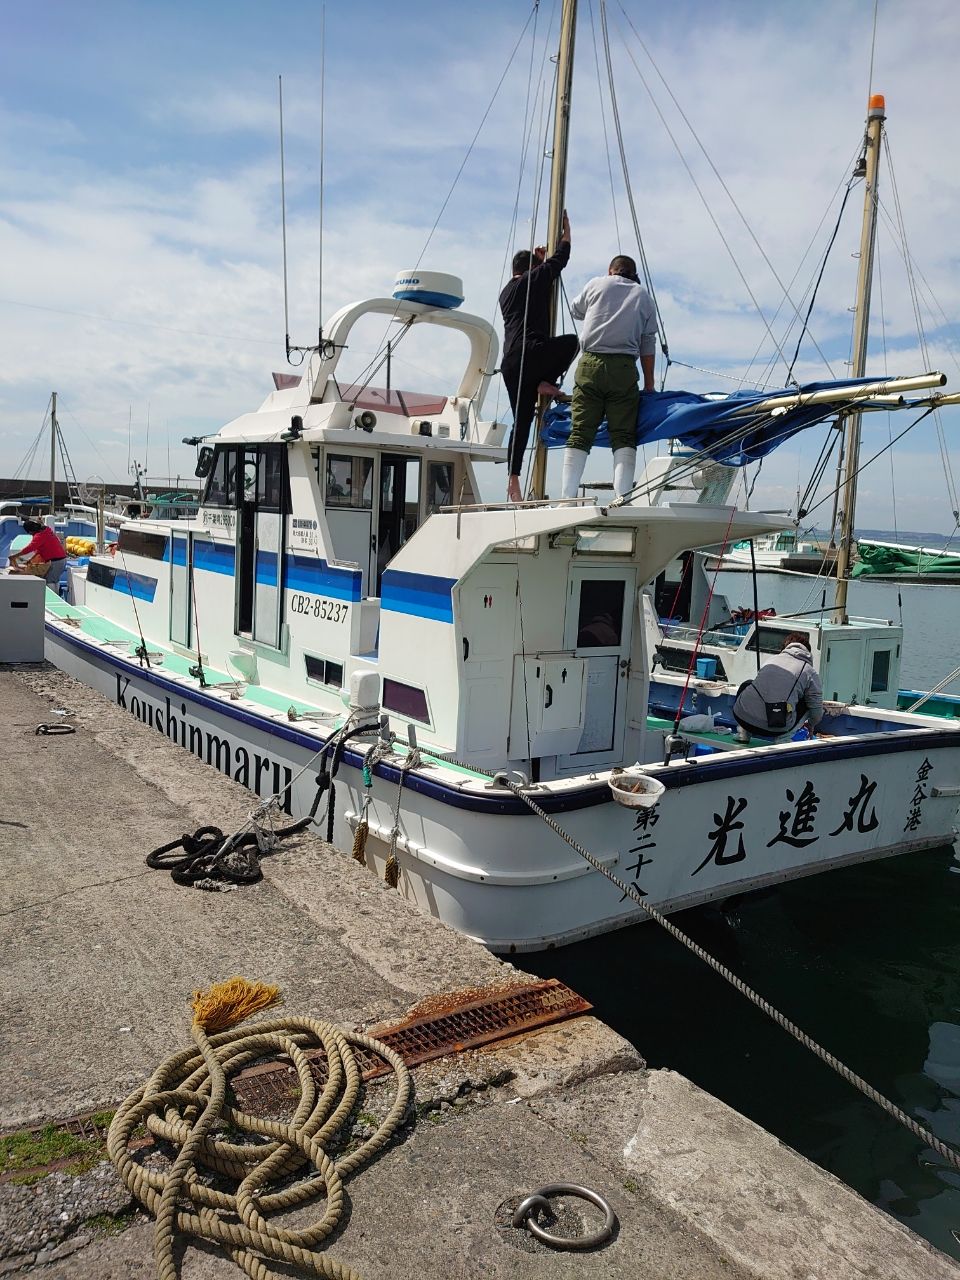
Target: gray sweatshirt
789,677
618,316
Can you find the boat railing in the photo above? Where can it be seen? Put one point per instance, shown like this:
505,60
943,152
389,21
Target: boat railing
506,505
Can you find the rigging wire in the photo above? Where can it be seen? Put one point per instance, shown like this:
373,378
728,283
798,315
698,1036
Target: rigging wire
772,362
816,287
526,136
921,334
927,411
323,119
873,47
603,123
615,113
365,375
719,178
538,195
479,129
28,458
883,340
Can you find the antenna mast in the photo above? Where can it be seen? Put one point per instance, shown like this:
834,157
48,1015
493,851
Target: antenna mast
876,114
54,428
558,187
283,224
323,76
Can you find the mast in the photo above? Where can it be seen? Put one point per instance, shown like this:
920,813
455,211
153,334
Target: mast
876,114
53,453
558,188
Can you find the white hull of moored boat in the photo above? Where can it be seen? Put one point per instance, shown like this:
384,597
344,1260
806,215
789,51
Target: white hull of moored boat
474,856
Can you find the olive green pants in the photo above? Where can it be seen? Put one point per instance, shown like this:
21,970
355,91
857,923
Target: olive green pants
605,386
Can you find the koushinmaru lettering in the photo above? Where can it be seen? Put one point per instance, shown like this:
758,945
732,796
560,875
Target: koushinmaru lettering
261,773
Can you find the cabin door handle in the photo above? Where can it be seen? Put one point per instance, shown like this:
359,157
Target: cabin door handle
466,648
549,699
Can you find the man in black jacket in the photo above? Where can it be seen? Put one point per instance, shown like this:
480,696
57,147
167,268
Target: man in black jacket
533,362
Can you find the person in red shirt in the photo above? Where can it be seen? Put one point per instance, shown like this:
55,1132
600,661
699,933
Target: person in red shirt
45,545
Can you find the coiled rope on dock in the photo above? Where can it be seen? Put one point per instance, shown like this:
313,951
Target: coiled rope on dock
948,1153
184,1103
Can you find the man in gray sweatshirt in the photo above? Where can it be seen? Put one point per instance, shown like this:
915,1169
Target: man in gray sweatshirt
784,692
619,327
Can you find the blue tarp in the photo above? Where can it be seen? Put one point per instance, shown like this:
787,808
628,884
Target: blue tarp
711,425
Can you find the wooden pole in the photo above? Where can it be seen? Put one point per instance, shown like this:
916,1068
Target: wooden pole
876,114
53,454
558,189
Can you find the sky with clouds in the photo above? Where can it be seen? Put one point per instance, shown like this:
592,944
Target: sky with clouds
140,201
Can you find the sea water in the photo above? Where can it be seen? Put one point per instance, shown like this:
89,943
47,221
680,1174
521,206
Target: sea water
866,960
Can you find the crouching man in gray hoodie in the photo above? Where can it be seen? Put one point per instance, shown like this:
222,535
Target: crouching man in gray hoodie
784,692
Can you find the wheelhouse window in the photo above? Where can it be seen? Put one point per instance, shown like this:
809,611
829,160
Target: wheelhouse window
270,478
439,486
221,490
135,542
771,640
348,481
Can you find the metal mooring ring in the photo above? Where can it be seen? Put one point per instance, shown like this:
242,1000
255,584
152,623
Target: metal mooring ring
538,1202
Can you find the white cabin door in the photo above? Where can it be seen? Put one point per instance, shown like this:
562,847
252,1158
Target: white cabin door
260,544
599,628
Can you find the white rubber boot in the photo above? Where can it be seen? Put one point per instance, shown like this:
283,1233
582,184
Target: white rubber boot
574,460
624,466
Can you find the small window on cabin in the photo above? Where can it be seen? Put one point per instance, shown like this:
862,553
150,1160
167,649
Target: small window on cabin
137,543
605,542
600,622
880,675
439,486
406,700
270,478
349,481
324,671
221,488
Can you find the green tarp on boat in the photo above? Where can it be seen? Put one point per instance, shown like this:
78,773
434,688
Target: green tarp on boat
881,558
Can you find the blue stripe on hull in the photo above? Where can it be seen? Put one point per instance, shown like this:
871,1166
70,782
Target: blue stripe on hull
310,574
421,595
314,576
214,557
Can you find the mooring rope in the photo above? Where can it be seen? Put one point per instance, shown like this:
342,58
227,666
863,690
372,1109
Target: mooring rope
184,1104
948,1153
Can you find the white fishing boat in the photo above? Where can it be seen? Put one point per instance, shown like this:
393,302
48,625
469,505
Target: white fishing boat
342,588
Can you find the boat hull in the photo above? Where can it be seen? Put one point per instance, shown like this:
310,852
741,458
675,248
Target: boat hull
473,855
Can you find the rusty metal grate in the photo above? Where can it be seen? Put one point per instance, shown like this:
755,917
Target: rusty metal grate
461,1026
451,1024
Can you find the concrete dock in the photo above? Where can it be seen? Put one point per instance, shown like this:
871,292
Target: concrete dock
100,956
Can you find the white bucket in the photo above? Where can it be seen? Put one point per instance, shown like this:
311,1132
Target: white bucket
635,789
